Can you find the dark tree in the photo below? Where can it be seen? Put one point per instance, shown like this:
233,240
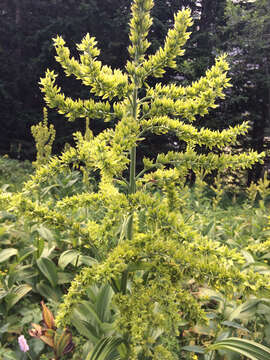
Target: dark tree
247,34
26,31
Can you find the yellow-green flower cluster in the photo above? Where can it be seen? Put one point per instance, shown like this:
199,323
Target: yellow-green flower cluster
44,136
144,248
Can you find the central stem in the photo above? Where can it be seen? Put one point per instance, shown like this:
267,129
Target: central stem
132,185
132,171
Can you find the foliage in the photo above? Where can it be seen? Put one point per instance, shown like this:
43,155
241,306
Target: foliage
249,349
229,221
245,347
14,173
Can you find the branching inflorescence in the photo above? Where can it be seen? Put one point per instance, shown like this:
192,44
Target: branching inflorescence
145,250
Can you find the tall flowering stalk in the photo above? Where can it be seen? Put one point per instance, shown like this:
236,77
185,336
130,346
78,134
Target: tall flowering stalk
144,248
44,136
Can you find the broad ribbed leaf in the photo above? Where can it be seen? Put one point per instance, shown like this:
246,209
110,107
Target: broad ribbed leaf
87,260
244,309
106,349
75,258
45,233
248,348
64,277
25,252
68,257
48,292
234,325
7,253
10,355
17,294
103,303
49,269
84,327
194,348
88,312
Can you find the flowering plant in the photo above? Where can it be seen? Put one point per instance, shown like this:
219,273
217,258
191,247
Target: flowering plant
131,223
23,343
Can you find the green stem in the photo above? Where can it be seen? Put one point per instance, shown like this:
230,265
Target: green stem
141,173
132,172
30,357
132,175
124,280
132,185
114,286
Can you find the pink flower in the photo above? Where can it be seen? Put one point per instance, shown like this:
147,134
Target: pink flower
23,344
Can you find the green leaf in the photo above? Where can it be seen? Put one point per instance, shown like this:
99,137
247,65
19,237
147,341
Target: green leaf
10,355
86,311
234,325
40,247
75,258
68,257
45,233
24,273
25,252
47,250
4,328
194,348
48,189
103,303
248,348
64,278
7,216
106,349
49,269
139,266
16,295
48,292
244,309
14,323
7,253
2,230
87,348
3,293
84,328
87,260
